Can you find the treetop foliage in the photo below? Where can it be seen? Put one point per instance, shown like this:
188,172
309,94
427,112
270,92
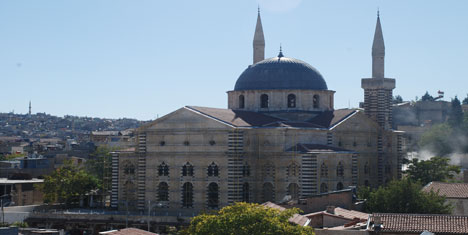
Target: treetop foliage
456,114
465,101
246,219
67,183
427,97
405,196
434,169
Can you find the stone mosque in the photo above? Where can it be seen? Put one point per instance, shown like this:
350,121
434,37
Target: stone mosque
280,137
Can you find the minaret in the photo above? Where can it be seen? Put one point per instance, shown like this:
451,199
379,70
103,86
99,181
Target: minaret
378,90
258,41
378,51
29,108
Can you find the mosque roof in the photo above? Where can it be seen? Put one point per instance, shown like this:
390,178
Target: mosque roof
280,73
316,148
329,119
240,118
235,117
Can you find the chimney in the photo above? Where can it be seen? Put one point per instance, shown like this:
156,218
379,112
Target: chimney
331,209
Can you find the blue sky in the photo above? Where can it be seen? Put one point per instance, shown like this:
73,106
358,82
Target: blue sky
143,59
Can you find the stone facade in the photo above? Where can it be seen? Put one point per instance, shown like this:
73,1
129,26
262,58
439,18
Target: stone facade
197,158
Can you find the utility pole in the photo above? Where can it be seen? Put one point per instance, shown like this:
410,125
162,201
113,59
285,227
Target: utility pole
149,211
126,217
3,212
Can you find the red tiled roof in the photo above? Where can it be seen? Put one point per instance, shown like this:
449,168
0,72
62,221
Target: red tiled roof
417,223
351,214
128,231
342,213
296,218
449,190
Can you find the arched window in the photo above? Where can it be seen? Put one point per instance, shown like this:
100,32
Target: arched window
187,169
316,101
340,170
291,101
366,168
268,192
366,183
293,169
339,186
187,195
388,168
129,193
213,170
241,102
213,195
129,168
293,190
269,170
264,101
245,170
323,170
323,188
163,192
245,192
163,169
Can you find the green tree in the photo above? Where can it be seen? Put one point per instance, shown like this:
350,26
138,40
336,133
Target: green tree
427,97
67,184
100,166
438,139
465,101
11,156
397,99
20,224
406,196
245,218
434,169
455,118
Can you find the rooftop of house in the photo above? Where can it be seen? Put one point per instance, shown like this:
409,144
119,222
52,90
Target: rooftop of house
127,231
417,223
449,190
296,218
9,181
342,213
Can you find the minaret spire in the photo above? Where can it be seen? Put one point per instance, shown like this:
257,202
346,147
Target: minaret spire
29,108
378,51
259,41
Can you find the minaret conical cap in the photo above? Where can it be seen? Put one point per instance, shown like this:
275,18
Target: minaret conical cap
378,46
258,36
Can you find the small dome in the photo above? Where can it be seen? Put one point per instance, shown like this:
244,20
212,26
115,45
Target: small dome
280,73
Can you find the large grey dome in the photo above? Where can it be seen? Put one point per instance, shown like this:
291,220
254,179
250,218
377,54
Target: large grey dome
280,73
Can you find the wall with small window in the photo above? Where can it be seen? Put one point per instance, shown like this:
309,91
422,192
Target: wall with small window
277,100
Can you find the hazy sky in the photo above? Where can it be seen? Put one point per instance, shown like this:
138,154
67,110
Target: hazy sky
141,59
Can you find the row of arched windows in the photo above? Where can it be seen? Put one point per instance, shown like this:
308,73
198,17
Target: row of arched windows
291,101
339,170
268,193
186,143
188,169
324,187
187,194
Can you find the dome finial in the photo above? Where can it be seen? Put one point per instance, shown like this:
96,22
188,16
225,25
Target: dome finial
281,52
